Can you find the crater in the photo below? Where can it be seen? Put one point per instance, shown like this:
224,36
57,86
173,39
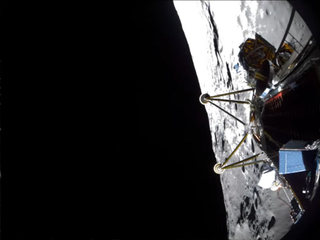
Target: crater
271,223
241,212
257,193
246,200
229,76
252,146
215,137
252,215
263,223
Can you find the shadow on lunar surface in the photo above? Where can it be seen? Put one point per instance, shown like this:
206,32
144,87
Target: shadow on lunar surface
271,223
248,214
252,215
256,193
252,146
214,28
229,83
213,24
239,22
216,140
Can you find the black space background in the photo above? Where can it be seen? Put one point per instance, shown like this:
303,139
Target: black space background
108,137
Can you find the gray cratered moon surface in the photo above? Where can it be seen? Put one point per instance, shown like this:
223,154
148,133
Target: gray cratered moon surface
214,31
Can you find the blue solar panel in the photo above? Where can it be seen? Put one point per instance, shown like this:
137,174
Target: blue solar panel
291,162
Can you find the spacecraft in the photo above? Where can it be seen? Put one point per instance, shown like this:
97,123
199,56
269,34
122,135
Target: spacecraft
284,117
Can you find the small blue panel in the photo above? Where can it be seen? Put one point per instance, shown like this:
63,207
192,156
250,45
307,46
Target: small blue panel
265,92
291,162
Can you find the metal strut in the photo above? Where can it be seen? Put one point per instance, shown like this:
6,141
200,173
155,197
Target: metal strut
226,100
235,149
228,113
226,94
205,98
235,165
220,168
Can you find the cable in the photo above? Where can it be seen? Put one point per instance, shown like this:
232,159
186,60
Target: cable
282,199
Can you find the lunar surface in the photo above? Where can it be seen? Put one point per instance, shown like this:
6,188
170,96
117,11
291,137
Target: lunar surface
214,31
